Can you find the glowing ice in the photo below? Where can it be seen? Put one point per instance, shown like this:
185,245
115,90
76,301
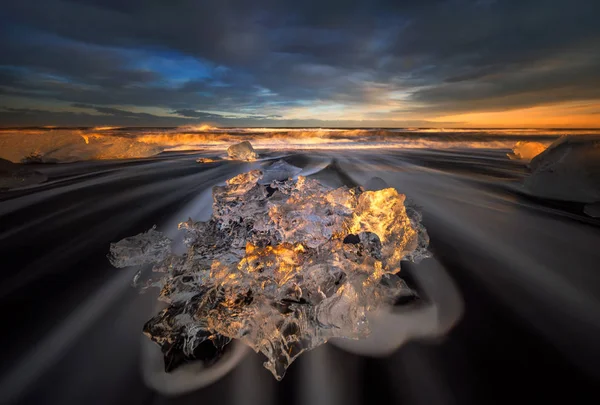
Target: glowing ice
283,267
206,160
526,150
242,151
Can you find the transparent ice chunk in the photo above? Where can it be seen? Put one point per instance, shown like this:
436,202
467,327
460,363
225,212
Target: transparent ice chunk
524,150
148,247
242,151
282,266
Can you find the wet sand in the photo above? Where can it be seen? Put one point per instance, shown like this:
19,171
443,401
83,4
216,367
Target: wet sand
526,269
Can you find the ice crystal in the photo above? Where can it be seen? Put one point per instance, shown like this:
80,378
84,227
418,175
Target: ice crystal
242,151
283,267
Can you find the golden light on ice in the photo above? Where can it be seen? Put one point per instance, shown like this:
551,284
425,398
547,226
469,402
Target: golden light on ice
283,266
383,213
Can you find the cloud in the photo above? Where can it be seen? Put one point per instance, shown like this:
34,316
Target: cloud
272,59
196,114
10,116
116,112
15,117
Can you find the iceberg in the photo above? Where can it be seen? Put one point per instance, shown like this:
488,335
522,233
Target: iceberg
13,175
242,151
281,267
568,170
526,150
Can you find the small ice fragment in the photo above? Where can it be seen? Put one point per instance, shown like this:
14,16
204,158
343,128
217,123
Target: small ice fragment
242,151
526,150
136,278
206,160
279,171
148,247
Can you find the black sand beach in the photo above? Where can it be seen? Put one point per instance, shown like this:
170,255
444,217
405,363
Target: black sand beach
526,269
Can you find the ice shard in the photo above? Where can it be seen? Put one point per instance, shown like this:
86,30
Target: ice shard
526,150
242,151
206,160
282,267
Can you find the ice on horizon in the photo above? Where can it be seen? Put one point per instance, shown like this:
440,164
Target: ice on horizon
568,170
526,150
282,266
70,146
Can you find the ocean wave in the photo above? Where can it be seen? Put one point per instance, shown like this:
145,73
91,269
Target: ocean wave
68,145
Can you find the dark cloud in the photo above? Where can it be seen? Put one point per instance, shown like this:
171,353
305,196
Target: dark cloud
196,114
116,112
15,117
114,117
566,78
259,59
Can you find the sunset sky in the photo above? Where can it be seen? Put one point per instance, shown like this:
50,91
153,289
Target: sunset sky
392,63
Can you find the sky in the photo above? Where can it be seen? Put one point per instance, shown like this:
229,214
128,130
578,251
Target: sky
339,63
